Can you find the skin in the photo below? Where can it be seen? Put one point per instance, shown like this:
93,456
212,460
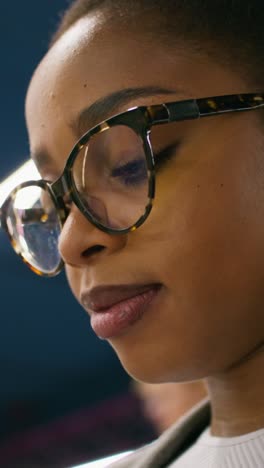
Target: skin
165,403
203,240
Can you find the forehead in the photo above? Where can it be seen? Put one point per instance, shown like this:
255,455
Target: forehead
94,59
62,68
91,47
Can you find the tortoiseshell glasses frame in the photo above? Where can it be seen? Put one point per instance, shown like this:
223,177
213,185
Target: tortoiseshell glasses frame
140,119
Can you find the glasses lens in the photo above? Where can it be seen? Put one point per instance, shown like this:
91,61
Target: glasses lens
34,226
111,177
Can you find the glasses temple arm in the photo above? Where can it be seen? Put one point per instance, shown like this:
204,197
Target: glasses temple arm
195,108
173,112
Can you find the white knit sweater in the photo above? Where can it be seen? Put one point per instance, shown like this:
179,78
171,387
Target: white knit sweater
246,451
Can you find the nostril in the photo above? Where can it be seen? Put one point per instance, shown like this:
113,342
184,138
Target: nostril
93,250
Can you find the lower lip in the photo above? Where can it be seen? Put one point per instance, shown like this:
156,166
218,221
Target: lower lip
111,322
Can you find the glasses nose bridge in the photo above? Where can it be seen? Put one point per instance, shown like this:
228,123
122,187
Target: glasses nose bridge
61,187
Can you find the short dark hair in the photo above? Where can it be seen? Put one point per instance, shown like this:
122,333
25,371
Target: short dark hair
232,30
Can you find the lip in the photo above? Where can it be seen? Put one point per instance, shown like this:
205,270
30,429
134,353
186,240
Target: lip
115,308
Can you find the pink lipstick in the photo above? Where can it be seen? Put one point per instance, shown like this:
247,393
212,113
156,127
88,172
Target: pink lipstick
114,309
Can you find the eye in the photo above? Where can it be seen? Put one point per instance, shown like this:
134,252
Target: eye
133,173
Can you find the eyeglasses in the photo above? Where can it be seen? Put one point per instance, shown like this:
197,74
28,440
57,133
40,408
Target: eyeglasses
109,176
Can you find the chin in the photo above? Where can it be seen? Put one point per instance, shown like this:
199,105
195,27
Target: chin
144,364
146,369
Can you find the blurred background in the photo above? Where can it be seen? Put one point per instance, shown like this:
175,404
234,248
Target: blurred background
64,398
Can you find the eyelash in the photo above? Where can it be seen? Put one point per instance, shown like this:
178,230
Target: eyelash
134,180
127,172
165,155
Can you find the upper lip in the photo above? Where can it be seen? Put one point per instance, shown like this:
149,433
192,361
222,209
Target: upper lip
103,297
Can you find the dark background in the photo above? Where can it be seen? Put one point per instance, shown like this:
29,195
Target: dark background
61,387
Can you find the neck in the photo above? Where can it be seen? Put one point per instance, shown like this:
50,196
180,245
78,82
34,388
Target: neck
237,397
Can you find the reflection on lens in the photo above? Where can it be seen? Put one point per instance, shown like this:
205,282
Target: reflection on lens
111,177
34,226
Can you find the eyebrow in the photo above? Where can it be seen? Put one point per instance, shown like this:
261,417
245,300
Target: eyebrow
102,109
112,103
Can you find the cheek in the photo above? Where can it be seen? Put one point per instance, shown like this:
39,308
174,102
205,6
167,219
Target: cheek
74,280
208,216
205,240
216,223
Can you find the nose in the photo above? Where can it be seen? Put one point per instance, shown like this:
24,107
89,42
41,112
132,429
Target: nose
80,241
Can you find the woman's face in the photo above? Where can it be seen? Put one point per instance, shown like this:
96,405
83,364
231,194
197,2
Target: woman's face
203,241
